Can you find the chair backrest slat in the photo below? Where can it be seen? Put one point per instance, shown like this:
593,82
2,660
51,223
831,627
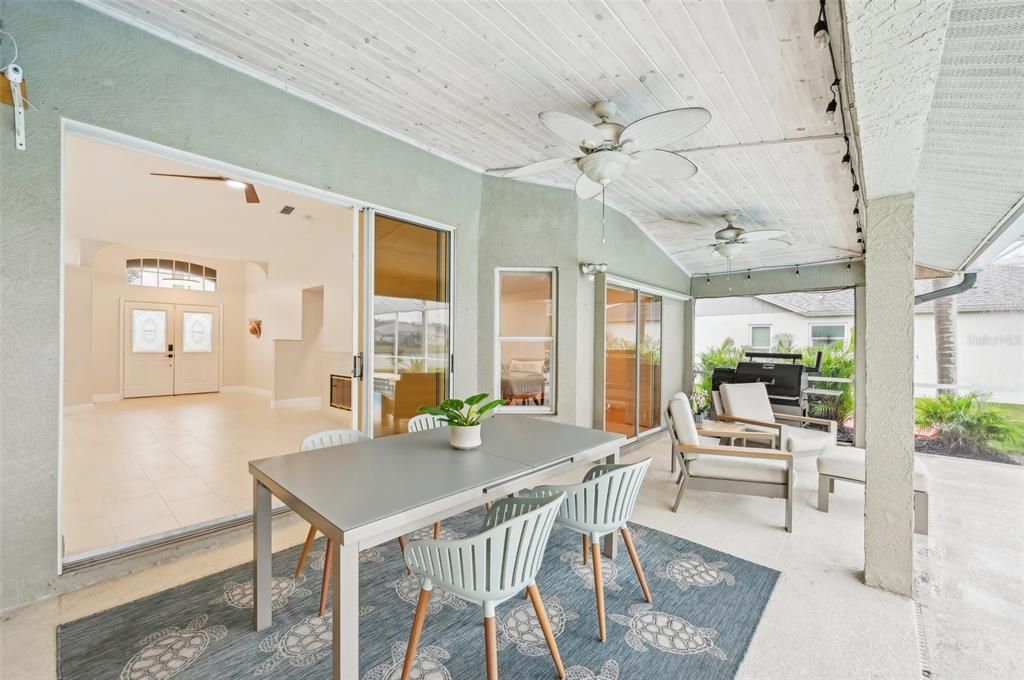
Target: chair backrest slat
425,421
322,440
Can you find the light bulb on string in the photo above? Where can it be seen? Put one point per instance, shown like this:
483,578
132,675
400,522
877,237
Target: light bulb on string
830,112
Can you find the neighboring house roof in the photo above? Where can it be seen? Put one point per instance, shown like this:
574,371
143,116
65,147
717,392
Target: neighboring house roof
998,288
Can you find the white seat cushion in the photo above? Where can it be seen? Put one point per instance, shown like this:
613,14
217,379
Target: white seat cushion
747,400
848,462
738,469
805,440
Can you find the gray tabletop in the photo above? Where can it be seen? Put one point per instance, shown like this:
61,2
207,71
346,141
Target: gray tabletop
356,484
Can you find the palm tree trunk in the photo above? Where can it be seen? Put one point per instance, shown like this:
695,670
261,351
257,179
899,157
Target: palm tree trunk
945,338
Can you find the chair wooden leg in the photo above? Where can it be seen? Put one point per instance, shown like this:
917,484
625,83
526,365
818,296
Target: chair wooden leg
627,538
545,626
824,486
491,643
586,548
310,537
487,506
437,530
325,586
414,635
595,556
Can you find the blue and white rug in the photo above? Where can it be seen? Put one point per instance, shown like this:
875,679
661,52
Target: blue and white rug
707,605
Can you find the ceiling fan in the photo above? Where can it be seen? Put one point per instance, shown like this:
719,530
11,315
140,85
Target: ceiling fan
731,240
250,191
608,150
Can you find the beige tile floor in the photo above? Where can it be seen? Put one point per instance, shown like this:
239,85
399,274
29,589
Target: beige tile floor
140,467
822,622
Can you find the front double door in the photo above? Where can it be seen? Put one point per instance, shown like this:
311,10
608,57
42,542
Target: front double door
170,349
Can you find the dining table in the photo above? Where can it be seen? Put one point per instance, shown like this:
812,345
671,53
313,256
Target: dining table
363,494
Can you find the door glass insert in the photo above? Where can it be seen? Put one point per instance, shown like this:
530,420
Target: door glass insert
620,361
649,384
149,330
411,351
197,332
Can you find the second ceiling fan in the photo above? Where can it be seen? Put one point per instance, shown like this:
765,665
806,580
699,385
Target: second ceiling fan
250,191
608,150
731,240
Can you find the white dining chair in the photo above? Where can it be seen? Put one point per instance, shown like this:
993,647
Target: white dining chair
488,569
601,504
322,440
425,421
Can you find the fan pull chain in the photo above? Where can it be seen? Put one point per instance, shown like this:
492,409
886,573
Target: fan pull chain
603,238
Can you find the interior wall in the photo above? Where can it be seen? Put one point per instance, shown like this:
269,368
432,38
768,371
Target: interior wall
134,83
297,363
77,336
109,289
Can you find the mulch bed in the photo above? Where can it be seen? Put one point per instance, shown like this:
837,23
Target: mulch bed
942,449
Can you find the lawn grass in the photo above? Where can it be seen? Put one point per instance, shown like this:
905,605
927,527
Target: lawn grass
1014,412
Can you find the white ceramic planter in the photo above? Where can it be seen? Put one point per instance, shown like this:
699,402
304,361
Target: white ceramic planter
464,437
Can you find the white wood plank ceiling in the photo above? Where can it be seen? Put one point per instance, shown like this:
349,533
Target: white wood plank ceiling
467,80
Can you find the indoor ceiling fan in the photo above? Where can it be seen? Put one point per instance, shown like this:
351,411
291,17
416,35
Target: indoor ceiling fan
608,150
731,240
250,191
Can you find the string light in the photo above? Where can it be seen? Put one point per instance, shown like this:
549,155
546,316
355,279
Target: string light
748,275
798,270
849,264
856,210
821,37
707,278
846,156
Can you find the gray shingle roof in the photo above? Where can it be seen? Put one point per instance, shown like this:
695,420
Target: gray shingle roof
998,288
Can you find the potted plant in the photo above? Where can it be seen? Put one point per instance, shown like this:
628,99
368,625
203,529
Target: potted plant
700,407
463,418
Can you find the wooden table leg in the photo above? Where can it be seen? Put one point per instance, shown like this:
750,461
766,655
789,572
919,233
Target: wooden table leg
262,555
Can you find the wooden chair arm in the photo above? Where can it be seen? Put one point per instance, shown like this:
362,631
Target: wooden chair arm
736,451
734,434
807,419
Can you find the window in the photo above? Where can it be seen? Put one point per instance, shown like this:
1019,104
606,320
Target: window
823,335
761,338
525,351
156,273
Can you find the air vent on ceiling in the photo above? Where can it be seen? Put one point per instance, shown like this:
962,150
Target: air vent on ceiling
287,210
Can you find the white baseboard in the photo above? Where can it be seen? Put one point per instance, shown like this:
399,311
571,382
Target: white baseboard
302,402
78,408
113,396
248,390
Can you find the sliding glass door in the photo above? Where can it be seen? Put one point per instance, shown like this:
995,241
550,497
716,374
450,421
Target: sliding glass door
632,361
408,362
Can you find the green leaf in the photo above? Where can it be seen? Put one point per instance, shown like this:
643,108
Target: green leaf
453,404
476,398
432,410
490,406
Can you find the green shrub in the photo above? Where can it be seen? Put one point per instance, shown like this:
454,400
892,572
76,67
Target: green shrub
965,422
728,354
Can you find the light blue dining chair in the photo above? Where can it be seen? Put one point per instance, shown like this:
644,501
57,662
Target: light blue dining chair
323,440
425,421
488,569
601,504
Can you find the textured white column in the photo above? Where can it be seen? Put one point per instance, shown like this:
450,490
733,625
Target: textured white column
889,394
860,335
688,334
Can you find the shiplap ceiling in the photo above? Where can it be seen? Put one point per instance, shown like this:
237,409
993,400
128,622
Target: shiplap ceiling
467,79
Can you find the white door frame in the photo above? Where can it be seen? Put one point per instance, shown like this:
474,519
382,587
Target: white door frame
365,425
93,132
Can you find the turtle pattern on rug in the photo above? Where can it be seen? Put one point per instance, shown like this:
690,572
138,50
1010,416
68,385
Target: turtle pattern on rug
707,605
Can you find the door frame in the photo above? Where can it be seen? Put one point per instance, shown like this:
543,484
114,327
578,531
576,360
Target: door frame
601,283
69,126
368,224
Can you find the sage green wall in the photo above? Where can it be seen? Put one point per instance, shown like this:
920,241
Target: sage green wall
528,225
87,67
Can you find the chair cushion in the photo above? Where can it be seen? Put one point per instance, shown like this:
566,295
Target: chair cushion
738,469
747,400
848,462
805,440
682,419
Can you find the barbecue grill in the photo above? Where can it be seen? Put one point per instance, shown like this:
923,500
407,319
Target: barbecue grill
784,376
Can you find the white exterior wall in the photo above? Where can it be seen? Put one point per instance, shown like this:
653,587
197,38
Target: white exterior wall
711,330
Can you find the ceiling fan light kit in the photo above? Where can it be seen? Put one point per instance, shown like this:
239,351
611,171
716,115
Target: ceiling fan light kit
250,191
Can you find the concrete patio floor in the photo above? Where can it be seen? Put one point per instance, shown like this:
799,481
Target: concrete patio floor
822,622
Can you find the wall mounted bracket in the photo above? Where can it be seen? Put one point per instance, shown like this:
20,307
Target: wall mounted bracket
16,82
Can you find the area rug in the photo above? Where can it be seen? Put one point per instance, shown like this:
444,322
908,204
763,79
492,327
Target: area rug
707,605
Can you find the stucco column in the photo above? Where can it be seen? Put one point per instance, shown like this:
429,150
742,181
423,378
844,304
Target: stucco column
689,316
889,394
860,335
